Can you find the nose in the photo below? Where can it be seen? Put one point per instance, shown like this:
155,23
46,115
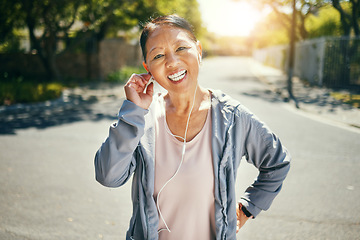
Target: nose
171,60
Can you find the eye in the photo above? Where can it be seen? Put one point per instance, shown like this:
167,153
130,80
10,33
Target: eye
158,56
181,49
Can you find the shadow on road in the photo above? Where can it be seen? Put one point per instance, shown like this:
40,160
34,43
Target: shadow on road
49,115
308,96
320,97
266,95
254,91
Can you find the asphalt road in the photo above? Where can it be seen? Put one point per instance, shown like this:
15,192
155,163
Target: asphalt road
48,191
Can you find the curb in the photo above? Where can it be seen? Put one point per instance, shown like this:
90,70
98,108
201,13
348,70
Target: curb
70,97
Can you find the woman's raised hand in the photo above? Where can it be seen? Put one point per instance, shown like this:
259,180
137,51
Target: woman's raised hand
135,90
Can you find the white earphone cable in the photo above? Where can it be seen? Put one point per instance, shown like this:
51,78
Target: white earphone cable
178,169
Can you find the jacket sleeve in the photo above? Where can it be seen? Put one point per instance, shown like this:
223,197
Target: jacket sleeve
115,161
264,150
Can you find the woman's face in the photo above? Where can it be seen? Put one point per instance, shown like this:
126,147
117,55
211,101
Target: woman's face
173,59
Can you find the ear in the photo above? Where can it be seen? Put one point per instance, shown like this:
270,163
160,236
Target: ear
199,48
145,66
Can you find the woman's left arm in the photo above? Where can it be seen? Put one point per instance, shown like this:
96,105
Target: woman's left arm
265,151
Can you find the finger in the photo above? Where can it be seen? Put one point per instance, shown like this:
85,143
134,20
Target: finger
145,77
150,89
131,82
135,86
137,78
237,226
140,80
136,82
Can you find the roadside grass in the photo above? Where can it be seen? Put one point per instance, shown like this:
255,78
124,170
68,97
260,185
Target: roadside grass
27,90
19,90
352,99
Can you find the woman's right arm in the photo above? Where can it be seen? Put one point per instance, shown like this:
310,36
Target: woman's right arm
114,161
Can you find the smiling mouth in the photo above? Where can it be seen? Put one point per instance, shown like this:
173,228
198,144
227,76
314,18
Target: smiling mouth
177,76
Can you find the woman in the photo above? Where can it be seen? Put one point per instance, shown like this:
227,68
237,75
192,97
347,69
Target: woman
183,148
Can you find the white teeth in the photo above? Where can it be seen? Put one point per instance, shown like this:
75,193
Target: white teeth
177,76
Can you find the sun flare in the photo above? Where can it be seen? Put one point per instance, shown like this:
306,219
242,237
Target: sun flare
229,18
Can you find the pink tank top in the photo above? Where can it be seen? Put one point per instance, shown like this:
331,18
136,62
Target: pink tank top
187,202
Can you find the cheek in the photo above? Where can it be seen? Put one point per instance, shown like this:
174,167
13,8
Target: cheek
194,60
157,72
155,69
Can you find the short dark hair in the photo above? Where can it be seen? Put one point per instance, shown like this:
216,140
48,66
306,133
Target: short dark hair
169,20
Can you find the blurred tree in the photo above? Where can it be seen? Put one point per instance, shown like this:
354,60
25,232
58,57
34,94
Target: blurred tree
51,20
350,20
292,54
305,24
349,11
10,20
9,15
104,18
283,9
350,17
325,23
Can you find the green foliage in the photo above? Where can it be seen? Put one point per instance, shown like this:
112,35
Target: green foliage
124,74
17,90
11,45
12,41
326,23
107,17
10,18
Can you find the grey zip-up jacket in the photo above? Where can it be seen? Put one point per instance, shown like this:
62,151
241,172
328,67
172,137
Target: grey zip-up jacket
130,147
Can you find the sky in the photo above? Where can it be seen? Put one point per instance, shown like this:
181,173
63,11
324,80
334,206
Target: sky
229,17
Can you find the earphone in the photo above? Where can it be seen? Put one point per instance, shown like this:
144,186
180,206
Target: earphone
181,162
150,81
